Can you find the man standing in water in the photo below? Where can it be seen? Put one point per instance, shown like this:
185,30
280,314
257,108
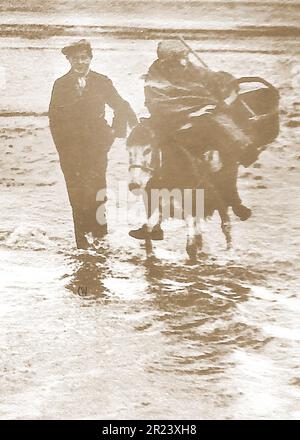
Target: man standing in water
83,137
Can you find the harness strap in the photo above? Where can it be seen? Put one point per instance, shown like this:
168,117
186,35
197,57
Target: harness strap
142,167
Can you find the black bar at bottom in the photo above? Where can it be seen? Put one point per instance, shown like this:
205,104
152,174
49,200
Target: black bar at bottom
107,429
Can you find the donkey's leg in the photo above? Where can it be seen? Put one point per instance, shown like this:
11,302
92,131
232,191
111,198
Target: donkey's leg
198,213
198,234
149,248
226,227
154,219
155,216
191,245
160,213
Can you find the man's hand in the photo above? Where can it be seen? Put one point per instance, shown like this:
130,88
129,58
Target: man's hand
231,98
207,110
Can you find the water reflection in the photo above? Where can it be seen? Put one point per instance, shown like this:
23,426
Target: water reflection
191,312
88,273
198,308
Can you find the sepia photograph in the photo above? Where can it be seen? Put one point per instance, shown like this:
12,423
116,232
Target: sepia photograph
150,221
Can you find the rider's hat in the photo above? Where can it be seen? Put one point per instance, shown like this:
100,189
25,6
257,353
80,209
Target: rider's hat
171,48
71,49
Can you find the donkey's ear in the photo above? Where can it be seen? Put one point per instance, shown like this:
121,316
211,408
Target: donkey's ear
147,150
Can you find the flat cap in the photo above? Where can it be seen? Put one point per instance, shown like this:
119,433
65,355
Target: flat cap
71,49
169,48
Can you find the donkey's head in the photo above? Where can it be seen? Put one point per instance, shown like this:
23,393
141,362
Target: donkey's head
139,147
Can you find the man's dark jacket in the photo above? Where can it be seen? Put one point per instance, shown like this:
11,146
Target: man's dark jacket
83,137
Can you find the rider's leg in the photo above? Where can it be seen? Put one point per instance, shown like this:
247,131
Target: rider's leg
230,185
231,141
220,132
152,228
228,137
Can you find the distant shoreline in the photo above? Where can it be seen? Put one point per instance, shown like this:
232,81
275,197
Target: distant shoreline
40,31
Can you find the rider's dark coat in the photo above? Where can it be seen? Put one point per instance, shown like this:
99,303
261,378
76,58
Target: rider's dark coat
175,95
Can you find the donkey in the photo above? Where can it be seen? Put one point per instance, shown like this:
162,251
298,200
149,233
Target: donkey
176,168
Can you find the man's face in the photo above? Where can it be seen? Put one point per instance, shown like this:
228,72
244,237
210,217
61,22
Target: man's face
176,59
80,61
183,58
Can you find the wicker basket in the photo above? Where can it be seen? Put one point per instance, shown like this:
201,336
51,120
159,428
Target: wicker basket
261,108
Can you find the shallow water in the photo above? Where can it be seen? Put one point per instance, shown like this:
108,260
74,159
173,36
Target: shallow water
112,335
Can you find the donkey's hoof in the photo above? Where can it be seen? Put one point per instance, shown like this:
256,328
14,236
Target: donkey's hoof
199,242
229,247
191,250
151,259
202,255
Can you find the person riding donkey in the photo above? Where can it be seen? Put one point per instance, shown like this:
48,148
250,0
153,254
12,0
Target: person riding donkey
190,105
